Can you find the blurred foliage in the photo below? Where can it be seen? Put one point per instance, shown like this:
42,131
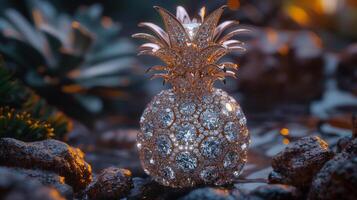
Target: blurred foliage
22,126
77,63
29,116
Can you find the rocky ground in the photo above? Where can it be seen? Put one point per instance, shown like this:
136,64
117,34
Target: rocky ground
306,168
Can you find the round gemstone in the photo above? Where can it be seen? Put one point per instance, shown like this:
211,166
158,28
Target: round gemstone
166,117
186,161
167,173
231,130
187,108
210,119
148,129
185,132
230,159
241,117
211,147
164,145
209,174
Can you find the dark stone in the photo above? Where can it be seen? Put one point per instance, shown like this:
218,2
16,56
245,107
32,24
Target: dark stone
50,155
45,178
209,194
146,188
342,143
140,188
300,161
15,186
338,177
275,192
111,183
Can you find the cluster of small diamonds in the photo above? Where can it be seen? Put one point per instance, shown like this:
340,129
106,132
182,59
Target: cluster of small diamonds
192,140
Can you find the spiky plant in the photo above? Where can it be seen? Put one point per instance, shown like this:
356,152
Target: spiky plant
22,126
76,62
194,133
26,105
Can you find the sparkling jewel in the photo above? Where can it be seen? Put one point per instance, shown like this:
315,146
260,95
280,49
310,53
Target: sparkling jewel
186,161
189,145
168,173
191,29
163,145
211,147
148,130
187,108
209,174
210,119
185,132
241,117
166,117
231,131
148,156
192,134
230,159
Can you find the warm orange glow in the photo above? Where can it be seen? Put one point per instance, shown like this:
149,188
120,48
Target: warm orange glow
76,24
284,50
72,88
37,17
286,141
233,4
272,36
106,22
316,40
329,6
127,172
61,179
284,131
298,14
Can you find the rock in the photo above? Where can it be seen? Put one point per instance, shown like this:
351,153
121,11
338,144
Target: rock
338,177
275,192
209,194
15,186
111,183
300,161
50,155
342,143
146,188
45,178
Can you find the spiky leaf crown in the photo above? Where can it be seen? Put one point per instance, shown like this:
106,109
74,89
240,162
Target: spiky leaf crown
191,49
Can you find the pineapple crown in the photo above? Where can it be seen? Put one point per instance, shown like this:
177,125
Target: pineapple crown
191,49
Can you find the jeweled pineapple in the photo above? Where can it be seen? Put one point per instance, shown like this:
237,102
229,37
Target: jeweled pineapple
193,133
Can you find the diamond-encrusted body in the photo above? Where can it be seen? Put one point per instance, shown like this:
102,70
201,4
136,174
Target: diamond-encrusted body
192,140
